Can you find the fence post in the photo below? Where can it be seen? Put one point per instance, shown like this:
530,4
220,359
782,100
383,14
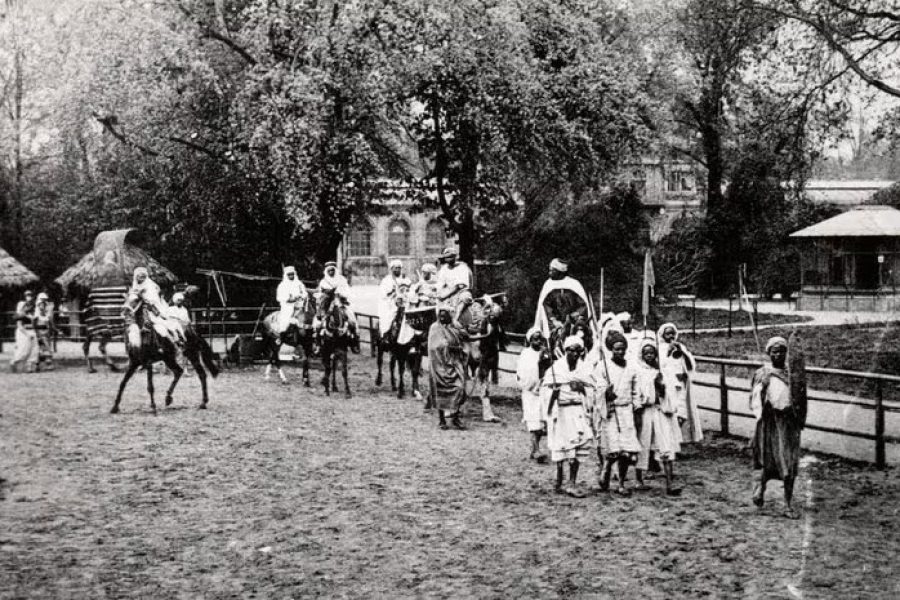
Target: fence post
723,391
694,315
729,315
880,461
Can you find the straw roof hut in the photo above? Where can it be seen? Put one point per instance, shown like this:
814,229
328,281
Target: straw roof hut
13,273
112,263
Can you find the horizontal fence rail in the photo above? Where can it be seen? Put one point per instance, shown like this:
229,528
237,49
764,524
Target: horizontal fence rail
227,323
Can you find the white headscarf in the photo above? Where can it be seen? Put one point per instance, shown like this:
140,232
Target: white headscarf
289,288
775,341
395,263
559,265
662,330
573,341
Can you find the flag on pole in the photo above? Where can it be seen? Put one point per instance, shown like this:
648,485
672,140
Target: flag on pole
743,296
649,284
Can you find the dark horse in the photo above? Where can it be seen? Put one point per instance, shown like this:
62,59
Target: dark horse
335,338
298,334
146,347
408,354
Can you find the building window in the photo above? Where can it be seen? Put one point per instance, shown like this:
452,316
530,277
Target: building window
359,240
435,238
398,239
679,181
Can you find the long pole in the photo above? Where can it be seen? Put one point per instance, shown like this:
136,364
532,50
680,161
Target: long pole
601,291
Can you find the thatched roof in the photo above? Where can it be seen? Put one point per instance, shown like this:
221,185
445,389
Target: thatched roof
13,273
863,221
112,262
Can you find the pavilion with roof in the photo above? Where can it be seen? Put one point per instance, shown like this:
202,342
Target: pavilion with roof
851,262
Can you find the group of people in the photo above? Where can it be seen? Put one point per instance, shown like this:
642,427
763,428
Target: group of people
34,333
630,395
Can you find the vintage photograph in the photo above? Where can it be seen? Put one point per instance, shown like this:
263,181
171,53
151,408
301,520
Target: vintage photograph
450,299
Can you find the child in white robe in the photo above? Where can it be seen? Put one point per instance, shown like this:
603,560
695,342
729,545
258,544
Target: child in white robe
533,362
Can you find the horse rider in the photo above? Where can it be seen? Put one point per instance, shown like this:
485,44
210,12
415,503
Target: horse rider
146,290
453,276
390,292
425,291
337,283
290,291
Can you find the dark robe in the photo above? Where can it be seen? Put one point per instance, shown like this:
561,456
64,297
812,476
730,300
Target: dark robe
447,368
776,442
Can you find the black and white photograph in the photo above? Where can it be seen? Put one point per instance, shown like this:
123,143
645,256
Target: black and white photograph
449,299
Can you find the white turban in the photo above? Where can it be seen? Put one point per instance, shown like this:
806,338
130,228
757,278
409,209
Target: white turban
289,269
429,268
395,263
647,341
177,296
623,316
666,326
573,341
776,341
531,333
559,265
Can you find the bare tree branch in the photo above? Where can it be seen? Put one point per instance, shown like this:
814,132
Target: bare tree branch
209,32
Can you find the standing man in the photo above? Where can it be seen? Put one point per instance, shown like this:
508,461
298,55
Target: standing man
632,336
389,290
26,350
780,411
562,302
452,277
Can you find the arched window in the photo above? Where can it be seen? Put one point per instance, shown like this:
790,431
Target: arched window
398,238
435,237
359,240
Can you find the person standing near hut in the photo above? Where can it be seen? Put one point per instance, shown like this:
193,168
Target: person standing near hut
534,360
26,350
677,366
44,328
448,370
567,384
780,411
658,431
617,396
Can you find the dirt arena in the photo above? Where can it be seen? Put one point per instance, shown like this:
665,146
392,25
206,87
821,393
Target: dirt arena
279,492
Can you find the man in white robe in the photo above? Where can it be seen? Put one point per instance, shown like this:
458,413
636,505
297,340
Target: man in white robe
562,300
453,277
677,365
533,362
332,280
632,335
389,292
290,291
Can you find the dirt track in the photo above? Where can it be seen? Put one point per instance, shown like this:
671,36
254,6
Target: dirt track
280,492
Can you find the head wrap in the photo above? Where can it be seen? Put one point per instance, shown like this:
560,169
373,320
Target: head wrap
448,253
531,333
775,341
465,296
177,296
623,316
647,341
429,268
614,336
288,269
140,271
662,330
559,265
496,310
43,296
573,341
29,293
395,263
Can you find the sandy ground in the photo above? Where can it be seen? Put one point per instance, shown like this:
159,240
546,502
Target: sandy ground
279,492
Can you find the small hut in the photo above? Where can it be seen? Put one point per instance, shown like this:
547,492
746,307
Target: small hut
14,274
851,262
112,263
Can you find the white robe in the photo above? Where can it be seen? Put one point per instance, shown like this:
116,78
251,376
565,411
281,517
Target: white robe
529,381
659,423
616,429
677,377
541,320
149,293
568,426
387,301
288,294
448,279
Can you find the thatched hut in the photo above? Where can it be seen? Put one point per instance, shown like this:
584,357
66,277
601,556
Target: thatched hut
14,274
112,263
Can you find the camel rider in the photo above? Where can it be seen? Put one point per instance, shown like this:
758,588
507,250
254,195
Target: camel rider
290,291
389,293
145,290
425,291
453,276
562,300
